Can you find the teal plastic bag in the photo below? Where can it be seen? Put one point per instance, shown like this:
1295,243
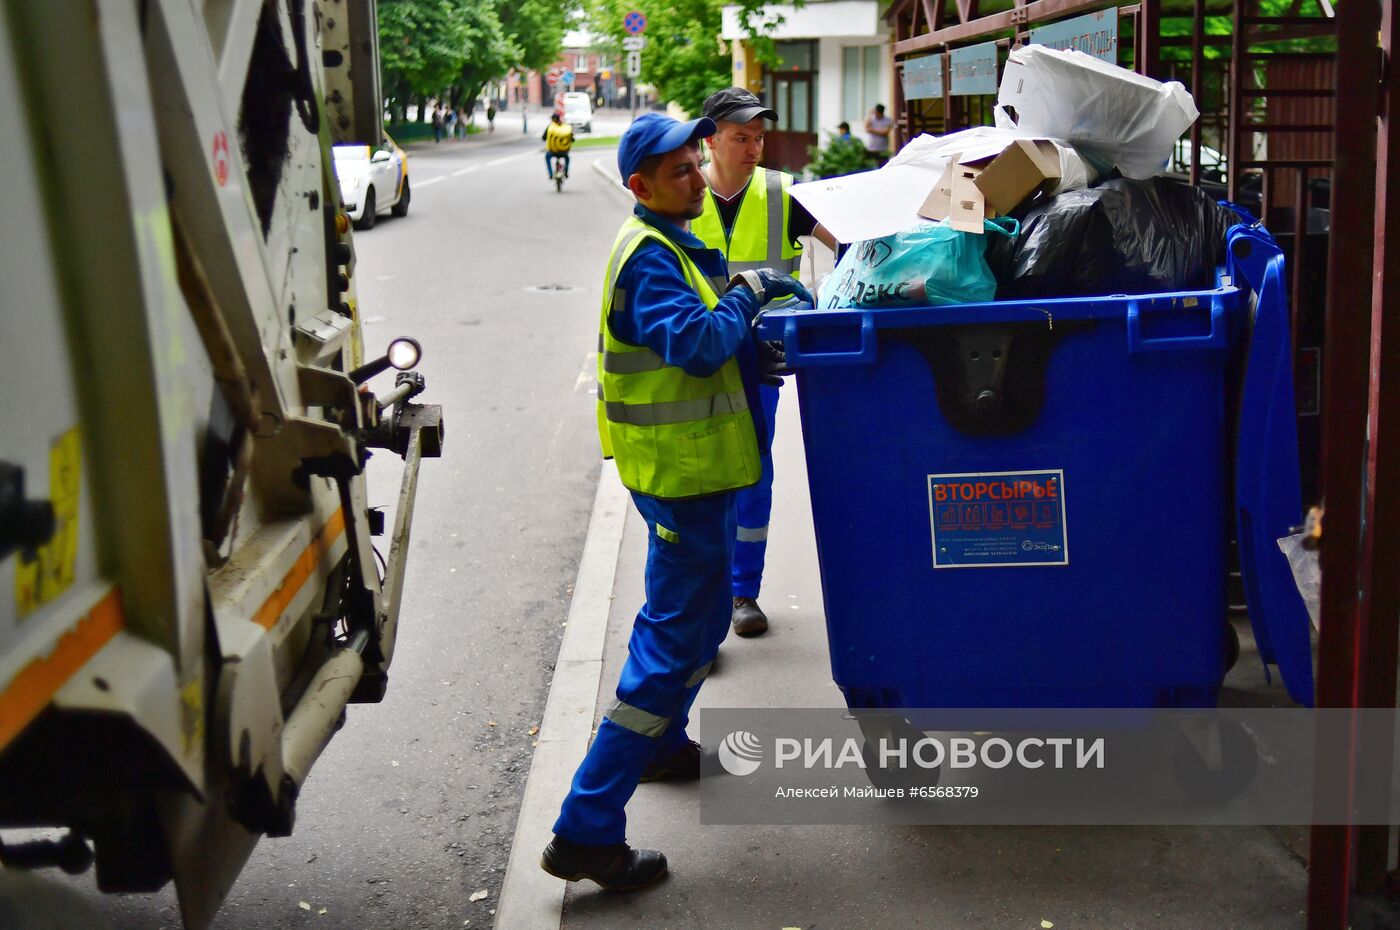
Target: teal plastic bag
926,265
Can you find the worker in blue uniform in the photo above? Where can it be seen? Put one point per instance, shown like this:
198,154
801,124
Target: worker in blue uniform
751,216
678,373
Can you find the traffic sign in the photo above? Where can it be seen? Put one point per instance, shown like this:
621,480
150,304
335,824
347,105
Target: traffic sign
634,23
634,43
567,77
634,64
605,75
552,78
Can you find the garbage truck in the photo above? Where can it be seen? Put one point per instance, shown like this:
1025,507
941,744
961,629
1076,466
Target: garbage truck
193,584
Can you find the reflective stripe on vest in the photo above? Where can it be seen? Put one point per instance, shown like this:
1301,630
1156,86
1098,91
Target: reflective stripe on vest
673,435
758,238
676,411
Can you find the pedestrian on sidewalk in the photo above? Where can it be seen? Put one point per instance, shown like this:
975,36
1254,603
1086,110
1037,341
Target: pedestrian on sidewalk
449,123
743,204
437,123
678,411
877,133
461,123
490,117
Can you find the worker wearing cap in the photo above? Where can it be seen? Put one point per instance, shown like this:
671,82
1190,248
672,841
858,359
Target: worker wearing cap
677,402
751,217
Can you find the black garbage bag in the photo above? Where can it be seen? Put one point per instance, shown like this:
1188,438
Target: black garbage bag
1122,237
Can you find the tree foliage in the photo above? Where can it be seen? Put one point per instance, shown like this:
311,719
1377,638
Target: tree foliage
450,49
685,58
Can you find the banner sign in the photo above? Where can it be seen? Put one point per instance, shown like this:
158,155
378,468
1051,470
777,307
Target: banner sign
1095,34
923,77
973,70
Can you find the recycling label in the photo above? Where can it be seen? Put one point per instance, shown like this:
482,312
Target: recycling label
998,519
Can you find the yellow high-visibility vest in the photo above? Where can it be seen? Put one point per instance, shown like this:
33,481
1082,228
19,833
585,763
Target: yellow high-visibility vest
673,435
759,238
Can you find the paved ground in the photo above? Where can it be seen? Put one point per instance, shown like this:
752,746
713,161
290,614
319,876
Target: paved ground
950,878
413,806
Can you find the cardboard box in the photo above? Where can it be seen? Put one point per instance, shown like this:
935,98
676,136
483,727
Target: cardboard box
978,185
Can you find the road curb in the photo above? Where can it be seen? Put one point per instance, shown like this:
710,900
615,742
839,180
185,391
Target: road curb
611,183
530,898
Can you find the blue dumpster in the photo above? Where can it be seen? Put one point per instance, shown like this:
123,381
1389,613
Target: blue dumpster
1029,503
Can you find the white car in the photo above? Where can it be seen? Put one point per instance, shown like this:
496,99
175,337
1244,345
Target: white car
1212,161
372,181
578,111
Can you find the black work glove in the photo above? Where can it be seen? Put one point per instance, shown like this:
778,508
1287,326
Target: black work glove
772,362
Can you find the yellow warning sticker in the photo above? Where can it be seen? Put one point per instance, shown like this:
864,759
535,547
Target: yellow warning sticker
40,580
192,713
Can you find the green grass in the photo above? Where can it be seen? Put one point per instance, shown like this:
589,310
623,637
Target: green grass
596,142
417,132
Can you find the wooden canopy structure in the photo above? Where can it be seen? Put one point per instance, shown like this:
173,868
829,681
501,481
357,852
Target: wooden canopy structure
1298,115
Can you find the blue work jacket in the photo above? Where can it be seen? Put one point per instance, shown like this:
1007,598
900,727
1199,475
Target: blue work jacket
662,312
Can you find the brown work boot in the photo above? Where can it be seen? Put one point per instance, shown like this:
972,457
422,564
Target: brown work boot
682,764
748,618
615,867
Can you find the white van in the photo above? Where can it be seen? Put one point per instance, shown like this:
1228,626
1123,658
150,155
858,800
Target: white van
578,111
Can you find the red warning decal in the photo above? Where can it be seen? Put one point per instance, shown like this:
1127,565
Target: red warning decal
221,157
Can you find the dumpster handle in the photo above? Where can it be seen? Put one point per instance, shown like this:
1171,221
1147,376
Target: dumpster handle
865,355
1137,342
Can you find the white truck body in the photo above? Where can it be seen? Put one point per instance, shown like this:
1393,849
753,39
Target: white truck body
189,595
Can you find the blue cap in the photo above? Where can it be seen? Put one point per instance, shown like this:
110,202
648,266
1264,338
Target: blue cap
656,134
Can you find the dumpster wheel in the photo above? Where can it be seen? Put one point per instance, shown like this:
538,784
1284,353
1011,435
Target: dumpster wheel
1232,645
1233,770
890,729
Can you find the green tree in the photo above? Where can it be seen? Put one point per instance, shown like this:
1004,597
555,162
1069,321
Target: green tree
685,58
489,55
536,27
451,48
422,44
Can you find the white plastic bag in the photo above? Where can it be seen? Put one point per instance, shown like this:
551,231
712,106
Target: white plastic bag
1307,572
1113,116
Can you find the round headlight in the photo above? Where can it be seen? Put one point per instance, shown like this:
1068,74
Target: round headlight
404,353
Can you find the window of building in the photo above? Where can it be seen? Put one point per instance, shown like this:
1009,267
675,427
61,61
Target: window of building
860,81
791,88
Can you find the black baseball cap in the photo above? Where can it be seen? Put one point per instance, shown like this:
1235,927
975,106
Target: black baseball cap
736,105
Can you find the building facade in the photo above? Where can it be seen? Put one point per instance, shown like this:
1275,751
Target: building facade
835,66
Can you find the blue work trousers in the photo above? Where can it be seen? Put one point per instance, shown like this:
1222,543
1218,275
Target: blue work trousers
753,505
549,162
690,544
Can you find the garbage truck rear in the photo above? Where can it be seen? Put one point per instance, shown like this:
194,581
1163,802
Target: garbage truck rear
190,589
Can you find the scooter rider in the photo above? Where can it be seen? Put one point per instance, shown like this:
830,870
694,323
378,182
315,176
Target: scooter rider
677,402
558,140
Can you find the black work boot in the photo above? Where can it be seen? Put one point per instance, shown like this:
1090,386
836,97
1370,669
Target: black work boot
681,764
615,867
748,618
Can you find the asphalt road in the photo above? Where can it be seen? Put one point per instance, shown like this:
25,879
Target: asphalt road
413,807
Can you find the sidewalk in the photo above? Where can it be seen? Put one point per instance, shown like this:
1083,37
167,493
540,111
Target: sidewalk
507,130
963,878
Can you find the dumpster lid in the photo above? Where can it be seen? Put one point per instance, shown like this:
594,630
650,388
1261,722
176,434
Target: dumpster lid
1268,499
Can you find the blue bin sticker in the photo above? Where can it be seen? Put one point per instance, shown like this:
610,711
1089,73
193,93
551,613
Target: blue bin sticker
998,519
